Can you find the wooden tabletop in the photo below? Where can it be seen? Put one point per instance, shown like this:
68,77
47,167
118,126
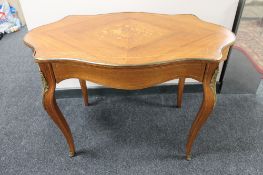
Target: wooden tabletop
130,39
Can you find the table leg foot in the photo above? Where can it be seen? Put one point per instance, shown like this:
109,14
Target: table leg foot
188,157
71,154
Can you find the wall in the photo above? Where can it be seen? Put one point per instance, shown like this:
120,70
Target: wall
39,12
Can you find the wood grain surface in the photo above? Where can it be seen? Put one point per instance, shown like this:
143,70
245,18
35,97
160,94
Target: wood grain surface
130,39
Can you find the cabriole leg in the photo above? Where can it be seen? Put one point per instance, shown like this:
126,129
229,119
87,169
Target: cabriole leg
209,100
50,104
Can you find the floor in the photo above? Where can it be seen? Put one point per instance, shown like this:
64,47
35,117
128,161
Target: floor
241,76
253,9
143,134
250,32
250,39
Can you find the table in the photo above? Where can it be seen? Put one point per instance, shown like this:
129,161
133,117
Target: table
130,51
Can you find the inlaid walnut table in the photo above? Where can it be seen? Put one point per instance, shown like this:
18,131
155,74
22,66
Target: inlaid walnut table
130,51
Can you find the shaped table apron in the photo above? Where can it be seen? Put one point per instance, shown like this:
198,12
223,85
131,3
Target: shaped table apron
128,77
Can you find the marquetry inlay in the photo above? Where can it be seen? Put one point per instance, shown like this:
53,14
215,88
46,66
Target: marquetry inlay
130,33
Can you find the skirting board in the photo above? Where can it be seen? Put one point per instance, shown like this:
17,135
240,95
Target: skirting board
163,89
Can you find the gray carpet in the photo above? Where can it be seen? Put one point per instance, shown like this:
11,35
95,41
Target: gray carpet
143,134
